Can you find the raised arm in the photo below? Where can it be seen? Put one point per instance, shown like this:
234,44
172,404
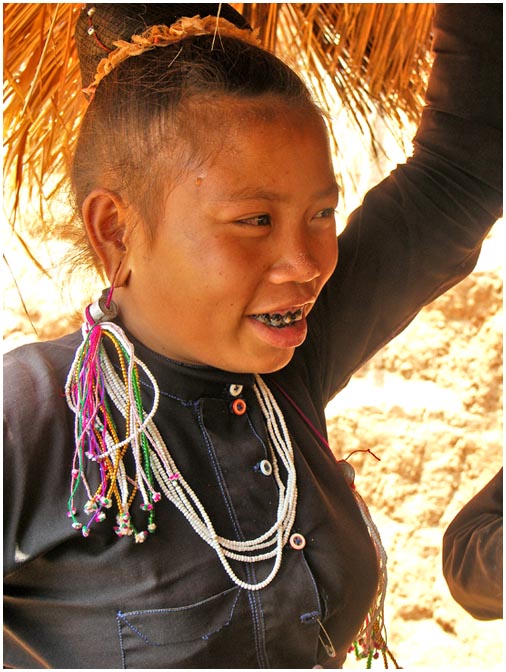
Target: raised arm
420,230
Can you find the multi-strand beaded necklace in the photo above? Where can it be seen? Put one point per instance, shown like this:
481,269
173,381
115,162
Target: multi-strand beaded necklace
93,386
94,383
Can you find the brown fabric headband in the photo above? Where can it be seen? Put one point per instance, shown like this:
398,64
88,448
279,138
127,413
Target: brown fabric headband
101,25
162,36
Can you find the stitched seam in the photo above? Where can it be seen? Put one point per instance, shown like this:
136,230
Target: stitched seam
172,610
319,613
227,623
255,622
183,402
137,631
257,435
218,473
253,597
120,634
315,587
256,607
122,620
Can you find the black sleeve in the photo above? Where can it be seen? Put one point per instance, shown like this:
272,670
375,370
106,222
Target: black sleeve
37,450
419,231
473,553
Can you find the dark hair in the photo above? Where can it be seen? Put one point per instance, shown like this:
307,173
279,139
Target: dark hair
158,100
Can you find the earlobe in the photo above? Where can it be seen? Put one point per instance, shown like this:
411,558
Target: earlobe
104,216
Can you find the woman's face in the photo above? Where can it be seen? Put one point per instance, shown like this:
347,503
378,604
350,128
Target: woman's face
245,244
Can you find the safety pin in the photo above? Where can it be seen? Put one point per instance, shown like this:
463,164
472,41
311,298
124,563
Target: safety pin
327,645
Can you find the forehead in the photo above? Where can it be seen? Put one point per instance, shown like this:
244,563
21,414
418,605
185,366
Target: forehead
262,150
229,124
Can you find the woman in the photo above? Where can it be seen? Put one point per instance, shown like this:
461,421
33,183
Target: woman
192,419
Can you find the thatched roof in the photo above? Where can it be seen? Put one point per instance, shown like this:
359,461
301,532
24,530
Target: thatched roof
372,55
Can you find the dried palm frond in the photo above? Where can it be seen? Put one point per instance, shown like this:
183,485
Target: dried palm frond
369,55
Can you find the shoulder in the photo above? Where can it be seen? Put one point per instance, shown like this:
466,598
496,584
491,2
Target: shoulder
34,378
39,363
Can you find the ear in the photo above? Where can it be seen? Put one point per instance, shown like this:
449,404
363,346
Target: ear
105,218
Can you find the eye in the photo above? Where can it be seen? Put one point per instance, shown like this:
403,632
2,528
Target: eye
259,220
325,214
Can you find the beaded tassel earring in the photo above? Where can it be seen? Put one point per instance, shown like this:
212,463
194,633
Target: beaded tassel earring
91,382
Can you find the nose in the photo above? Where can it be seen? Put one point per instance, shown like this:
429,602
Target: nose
294,262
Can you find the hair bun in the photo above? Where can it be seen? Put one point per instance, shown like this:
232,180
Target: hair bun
100,25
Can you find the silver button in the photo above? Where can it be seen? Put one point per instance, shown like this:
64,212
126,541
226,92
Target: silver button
235,390
265,467
297,541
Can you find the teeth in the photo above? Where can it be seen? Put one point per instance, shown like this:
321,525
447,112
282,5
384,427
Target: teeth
278,320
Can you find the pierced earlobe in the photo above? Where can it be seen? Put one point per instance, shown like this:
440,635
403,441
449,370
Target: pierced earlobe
121,274
105,218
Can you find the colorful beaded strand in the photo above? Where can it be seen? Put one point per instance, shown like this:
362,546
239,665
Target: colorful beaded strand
94,428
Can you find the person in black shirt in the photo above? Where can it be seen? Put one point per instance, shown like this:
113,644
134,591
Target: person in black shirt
170,499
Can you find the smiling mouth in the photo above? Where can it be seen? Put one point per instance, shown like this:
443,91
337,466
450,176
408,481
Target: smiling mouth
279,320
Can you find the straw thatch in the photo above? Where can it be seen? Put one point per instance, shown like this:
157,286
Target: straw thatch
372,56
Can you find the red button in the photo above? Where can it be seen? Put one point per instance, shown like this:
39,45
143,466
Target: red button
239,406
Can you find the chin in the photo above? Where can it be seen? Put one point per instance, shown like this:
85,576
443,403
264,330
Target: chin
259,363
275,363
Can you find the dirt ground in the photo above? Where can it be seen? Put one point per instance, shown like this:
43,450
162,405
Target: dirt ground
429,405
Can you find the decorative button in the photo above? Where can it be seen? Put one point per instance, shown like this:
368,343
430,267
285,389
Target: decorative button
239,407
265,467
348,471
235,390
297,541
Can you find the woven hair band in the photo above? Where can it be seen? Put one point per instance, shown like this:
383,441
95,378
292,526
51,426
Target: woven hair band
162,36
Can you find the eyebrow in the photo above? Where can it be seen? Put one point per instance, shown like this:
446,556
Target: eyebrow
253,194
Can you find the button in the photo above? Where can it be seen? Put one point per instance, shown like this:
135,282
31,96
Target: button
348,471
297,541
235,390
265,467
239,407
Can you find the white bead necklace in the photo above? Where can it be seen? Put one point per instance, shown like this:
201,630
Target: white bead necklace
145,438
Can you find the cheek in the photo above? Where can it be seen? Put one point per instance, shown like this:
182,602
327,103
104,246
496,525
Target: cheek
329,257
230,263
213,274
